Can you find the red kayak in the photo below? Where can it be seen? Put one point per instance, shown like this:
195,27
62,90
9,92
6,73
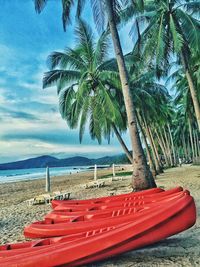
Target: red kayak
118,202
55,202
150,226
79,224
101,211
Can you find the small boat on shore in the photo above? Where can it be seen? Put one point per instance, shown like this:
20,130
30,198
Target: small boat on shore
150,226
77,224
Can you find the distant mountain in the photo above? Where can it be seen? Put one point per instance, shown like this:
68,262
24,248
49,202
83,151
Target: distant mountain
119,159
38,162
44,161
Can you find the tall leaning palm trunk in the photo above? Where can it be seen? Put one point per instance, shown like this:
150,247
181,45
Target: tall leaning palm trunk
168,146
192,88
191,138
150,159
142,176
172,143
198,145
121,141
162,146
184,146
148,134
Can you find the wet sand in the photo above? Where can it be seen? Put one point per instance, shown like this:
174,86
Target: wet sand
180,250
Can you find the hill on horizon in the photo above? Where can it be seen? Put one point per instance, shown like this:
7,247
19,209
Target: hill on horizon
45,160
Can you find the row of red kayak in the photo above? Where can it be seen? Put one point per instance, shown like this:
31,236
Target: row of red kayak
78,232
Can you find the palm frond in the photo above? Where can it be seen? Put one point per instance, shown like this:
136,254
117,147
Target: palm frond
191,28
85,37
40,5
98,8
177,38
60,78
66,8
191,7
84,118
80,6
102,49
66,98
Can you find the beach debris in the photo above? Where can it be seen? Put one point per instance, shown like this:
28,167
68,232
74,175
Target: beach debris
46,198
94,184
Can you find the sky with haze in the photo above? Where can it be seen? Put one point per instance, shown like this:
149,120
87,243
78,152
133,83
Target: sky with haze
30,122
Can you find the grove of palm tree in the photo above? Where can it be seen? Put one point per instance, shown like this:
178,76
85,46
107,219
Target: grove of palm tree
152,92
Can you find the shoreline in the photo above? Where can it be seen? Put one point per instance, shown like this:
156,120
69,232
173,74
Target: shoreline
27,175
179,250
27,189
40,173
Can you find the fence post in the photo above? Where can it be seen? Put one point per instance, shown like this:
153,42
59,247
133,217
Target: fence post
95,172
48,182
113,169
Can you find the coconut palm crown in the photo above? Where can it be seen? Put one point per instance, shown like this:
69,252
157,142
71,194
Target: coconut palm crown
168,29
88,90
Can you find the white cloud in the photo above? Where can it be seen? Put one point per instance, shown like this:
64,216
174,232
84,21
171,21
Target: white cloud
28,148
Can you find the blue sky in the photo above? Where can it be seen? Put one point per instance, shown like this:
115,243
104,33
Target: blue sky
30,121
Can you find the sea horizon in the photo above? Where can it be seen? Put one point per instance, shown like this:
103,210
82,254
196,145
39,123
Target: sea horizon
17,175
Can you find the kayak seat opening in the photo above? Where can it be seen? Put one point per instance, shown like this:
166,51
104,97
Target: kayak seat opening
78,219
42,243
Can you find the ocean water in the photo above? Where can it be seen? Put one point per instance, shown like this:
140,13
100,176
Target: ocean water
36,173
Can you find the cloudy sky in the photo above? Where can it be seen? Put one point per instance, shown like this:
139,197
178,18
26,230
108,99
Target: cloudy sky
30,124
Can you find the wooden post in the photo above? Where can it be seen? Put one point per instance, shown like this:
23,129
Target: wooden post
95,172
113,169
48,182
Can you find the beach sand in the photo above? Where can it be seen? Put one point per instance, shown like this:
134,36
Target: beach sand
180,250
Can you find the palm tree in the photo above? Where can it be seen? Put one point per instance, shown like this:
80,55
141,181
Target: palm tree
172,27
88,90
142,175
146,90
185,113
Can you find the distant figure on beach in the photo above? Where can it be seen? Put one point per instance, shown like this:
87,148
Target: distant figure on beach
180,162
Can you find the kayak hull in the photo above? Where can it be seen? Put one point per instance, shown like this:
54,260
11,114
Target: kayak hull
118,202
109,199
79,224
98,210
155,225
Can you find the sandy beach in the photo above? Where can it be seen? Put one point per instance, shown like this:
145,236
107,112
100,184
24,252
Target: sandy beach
180,250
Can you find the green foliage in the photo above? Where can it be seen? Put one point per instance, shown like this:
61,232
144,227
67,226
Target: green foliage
164,33
166,27
89,93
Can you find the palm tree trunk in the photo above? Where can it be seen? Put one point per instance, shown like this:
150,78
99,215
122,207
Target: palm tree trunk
149,156
195,146
142,175
184,147
168,147
193,91
158,167
172,143
191,138
189,149
162,146
198,145
121,141
156,150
